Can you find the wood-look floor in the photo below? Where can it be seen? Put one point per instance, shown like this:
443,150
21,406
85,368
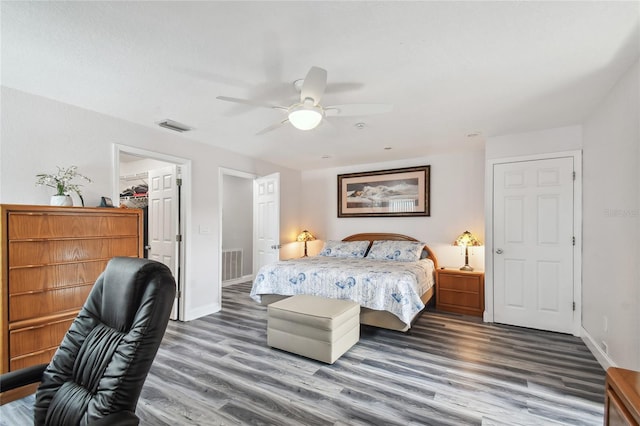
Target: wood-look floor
451,370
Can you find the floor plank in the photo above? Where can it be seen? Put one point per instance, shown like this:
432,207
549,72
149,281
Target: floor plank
450,370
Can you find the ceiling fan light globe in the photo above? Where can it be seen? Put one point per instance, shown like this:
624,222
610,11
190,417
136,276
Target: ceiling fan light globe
305,118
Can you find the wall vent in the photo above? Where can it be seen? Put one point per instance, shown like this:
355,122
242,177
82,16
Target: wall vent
231,264
174,125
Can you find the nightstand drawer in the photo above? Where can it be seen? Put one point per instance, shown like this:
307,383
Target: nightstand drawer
459,282
460,299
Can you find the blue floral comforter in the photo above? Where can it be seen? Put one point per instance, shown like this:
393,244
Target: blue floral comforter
376,284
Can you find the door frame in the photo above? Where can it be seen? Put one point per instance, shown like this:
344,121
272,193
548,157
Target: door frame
185,211
577,230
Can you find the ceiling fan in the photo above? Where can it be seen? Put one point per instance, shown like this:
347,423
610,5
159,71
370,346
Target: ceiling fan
308,113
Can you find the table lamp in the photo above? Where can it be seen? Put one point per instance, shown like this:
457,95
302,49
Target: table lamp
305,236
465,240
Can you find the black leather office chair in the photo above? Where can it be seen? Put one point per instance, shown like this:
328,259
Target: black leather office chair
97,373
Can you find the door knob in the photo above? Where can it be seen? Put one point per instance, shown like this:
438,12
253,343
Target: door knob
499,251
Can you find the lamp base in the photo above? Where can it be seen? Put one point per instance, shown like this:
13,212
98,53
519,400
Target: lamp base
466,268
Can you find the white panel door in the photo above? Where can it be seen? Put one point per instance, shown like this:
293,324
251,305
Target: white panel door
533,244
266,220
163,221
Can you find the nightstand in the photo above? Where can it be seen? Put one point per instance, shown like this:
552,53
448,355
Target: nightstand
460,291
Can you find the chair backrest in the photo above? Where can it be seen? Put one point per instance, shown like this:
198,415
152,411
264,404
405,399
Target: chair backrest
103,360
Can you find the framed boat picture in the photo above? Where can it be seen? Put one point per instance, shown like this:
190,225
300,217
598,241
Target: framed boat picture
394,192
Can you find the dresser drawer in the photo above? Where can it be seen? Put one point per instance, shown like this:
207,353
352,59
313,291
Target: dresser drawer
34,253
37,338
34,305
42,357
50,277
61,225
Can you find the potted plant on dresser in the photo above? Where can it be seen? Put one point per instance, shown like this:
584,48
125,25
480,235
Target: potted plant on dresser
63,183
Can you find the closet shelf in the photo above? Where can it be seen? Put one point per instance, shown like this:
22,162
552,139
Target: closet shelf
136,177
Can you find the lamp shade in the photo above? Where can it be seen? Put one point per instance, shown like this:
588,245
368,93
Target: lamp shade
467,239
305,117
305,236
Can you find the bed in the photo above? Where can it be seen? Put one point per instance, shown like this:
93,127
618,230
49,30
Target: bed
391,293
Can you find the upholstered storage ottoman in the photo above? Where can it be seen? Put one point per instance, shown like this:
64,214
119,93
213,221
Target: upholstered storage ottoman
314,327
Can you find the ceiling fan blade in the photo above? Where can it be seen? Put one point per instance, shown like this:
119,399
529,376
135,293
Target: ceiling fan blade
250,102
314,85
342,87
348,110
272,127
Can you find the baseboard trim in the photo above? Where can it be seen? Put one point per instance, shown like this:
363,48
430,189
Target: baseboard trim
242,279
202,311
602,358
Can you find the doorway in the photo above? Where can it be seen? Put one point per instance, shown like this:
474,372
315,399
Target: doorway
154,182
236,227
533,268
249,212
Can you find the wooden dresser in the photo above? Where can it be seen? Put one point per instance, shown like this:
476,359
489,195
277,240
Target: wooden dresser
622,397
51,257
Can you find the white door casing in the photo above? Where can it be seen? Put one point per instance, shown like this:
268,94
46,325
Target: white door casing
163,221
533,244
266,220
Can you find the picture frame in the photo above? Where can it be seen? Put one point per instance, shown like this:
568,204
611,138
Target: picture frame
385,193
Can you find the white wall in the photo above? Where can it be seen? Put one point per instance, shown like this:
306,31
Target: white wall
38,133
540,142
611,276
457,204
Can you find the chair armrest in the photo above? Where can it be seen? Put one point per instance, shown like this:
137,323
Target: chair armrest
22,377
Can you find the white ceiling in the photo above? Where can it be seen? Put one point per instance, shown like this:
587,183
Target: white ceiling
449,68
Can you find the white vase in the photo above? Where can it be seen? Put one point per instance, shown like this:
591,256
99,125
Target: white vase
61,200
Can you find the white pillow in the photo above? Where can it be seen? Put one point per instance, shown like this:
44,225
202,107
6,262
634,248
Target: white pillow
403,251
344,248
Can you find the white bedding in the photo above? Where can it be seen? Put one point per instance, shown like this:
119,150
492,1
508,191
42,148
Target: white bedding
391,286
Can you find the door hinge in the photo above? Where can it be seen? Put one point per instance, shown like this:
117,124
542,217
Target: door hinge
574,175
574,306
179,238
573,240
179,181
178,294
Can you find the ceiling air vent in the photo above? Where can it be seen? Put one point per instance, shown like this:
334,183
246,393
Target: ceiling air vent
174,125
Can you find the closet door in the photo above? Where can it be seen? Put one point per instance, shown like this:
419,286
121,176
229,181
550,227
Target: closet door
163,220
533,240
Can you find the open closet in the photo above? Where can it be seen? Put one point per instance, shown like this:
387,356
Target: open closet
134,194
154,187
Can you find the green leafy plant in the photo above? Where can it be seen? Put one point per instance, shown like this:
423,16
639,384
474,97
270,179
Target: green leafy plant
62,181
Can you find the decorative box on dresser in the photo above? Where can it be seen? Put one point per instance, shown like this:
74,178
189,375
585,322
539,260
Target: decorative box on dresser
622,397
459,291
51,257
